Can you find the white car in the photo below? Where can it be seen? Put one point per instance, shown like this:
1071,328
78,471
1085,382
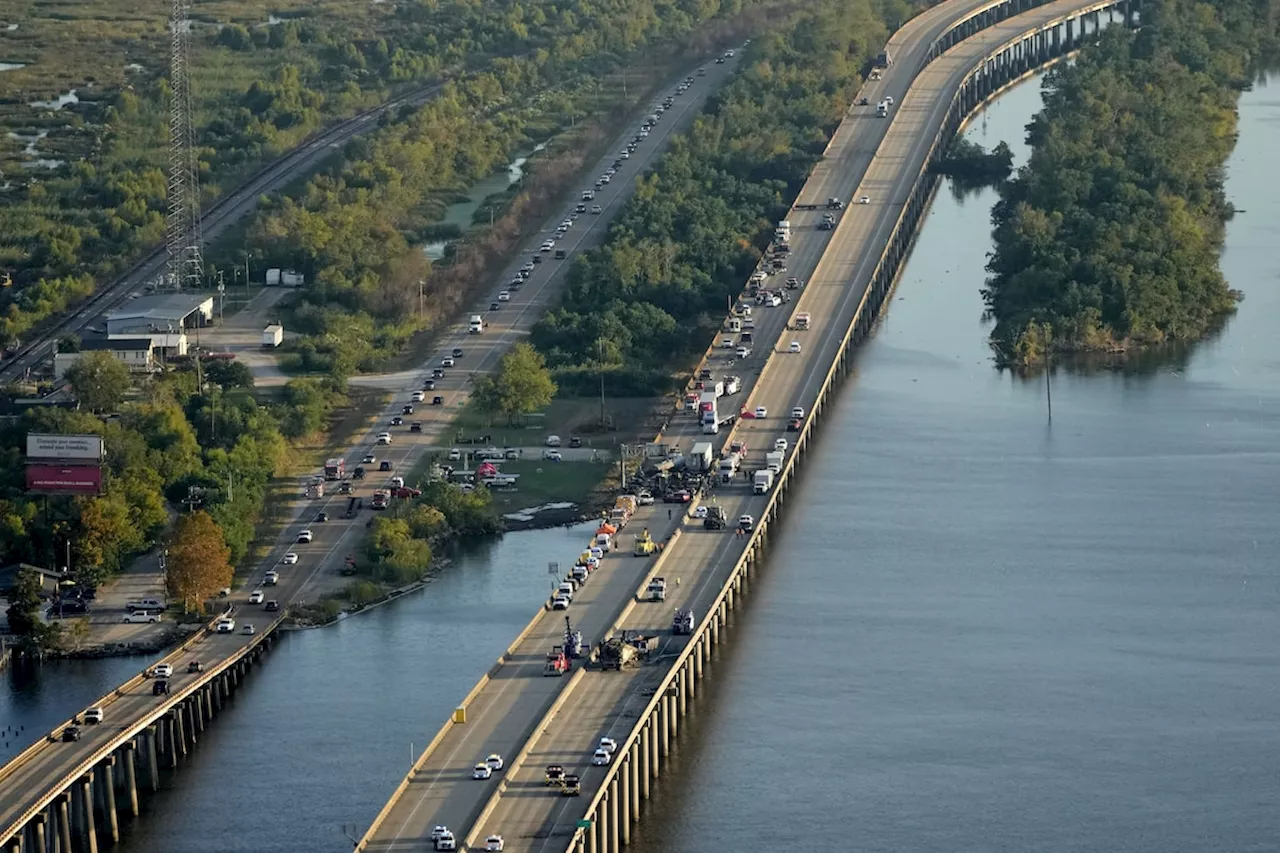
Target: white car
494,761
289,559
746,522
162,670
271,578
552,455
419,396
138,617
600,758
93,716
742,352
794,346
256,597
560,603
761,412
455,455
866,199
482,771
248,630
439,830
446,841
306,536
368,459
644,499
888,99
384,438
726,343
493,844
597,209
797,411
700,512
504,296
447,361
547,245
609,745
780,444
225,626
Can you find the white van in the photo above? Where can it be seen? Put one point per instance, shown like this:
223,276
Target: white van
553,441
735,325
476,325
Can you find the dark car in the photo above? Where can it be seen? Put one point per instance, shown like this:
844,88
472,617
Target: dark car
324,516
575,441
344,488
457,352
384,465
863,101
397,421
428,385
408,410
537,259
561,254
358,474
680,496
70,734
437,373
494,306
271,606
160,688
416,426
195,666
437,401
793,425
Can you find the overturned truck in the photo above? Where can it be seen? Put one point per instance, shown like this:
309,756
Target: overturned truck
629,646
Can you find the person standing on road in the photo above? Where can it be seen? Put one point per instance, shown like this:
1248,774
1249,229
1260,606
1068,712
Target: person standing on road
668,514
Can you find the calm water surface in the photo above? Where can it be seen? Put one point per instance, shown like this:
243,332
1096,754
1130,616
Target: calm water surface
981,632
978,632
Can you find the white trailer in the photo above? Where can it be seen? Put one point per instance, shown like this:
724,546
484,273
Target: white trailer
272,336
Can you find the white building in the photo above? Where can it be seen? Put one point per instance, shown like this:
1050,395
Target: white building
137,354
163,318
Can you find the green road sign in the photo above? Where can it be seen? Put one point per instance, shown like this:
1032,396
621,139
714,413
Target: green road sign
584,824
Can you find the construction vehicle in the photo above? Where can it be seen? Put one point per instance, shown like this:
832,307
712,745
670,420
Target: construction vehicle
657,589
682,622
554,775
574,647
645,546
557,663
349,566
570,785
715,519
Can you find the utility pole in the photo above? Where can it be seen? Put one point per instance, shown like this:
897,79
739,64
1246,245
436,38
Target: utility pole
421,308
600,349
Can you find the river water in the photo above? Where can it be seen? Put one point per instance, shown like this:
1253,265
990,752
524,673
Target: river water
978,631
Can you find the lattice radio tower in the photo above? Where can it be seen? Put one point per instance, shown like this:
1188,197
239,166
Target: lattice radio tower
183,240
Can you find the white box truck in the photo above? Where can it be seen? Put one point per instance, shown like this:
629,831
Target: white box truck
773,460
476,325
782,233
273,277
762,482
291,278
700,457
272,336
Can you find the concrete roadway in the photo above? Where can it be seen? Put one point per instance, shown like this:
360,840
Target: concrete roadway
44,775
534,818
336,538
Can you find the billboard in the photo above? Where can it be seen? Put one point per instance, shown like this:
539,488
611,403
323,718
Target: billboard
64,479
64,447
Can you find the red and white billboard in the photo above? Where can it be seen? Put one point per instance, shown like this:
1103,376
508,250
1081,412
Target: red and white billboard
64,479
64,447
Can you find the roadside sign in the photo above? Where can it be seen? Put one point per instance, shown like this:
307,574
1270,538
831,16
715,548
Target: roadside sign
584,824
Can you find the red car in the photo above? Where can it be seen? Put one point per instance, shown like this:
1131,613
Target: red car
793,425
678,497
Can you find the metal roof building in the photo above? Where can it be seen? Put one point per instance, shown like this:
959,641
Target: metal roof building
160,313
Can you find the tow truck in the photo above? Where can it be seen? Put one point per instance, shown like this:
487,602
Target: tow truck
557,663
715,519
554,775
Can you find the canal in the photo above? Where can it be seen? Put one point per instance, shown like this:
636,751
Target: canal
978,630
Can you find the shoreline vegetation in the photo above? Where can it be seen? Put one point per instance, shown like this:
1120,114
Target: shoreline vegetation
1108,239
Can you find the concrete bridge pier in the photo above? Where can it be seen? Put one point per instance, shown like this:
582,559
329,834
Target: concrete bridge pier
107,783
40,832
633,779
614,846
623,782
63,811
646,760
150,738
130,781
673,704
85,795
604,824
666,724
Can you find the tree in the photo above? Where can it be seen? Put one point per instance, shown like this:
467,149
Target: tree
197,562
522,384
99,381
24,606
